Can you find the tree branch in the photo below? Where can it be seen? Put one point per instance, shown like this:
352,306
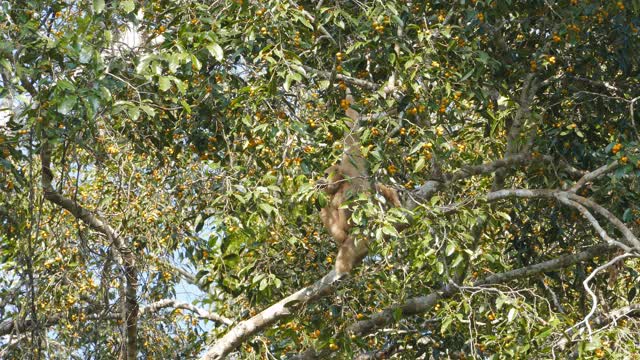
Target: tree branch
172,303
594,298
596,225
347,79
96,223
593,175
422,304
521,193
529,89
630,238
313,20
269,316
626,232
430,187
11,325
600,321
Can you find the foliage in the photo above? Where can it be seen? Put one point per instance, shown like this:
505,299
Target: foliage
198,129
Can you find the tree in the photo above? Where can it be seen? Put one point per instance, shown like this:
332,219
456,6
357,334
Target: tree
149,144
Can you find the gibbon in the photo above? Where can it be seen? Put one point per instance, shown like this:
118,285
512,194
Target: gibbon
342,182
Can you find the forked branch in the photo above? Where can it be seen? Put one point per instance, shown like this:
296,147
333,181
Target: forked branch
98,224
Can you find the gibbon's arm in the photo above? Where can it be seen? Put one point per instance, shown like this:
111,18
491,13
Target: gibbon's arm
353,165
357,164
332,180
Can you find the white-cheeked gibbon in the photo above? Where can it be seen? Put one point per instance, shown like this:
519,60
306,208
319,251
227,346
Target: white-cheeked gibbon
342,182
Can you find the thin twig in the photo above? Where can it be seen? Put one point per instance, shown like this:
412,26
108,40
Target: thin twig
594,298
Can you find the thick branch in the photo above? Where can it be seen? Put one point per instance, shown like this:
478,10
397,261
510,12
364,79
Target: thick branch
521,193
422,304
626,232
629,237
594,222
509,161
128,257
12,325
465,172
524,109
591,176
269,316
529,89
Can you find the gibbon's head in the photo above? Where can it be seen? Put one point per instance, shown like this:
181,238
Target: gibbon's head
333,174
332,179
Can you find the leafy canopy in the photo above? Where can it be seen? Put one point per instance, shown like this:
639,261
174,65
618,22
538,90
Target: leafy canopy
198,130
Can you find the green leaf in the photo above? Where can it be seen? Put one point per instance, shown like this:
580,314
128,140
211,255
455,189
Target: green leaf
457,261
216,51
186,106
323,84
98,6
257,278
148,110
164,83
263,284
180,85
133,112
195,63
451,248
420,164
512,314
409,63
445,325
304,21
127,5
67,105
241,199
287,82
322,200
5,64
390,230
199,222
268,209
65,85
467,75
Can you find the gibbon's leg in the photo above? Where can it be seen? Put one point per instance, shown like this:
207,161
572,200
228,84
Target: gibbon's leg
350,255
335,222
335,219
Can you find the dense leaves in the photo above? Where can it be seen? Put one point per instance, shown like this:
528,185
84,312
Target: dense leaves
197,131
